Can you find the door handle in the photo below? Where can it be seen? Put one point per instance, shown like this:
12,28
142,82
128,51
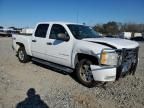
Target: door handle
49,43
33,40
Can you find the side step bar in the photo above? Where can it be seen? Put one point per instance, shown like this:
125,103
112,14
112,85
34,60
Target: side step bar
53,65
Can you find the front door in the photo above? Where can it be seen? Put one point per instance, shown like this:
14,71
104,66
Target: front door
59,51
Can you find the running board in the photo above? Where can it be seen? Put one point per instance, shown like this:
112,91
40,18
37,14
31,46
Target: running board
63,68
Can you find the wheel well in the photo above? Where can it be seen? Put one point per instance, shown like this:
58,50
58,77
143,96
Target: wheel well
20,44
86,56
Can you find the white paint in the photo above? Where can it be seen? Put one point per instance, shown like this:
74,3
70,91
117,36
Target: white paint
103,73
116,42
64,53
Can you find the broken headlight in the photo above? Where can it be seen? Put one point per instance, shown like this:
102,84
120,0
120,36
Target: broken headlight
109,57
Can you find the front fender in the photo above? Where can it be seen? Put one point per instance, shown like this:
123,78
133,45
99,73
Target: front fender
94,57
88,48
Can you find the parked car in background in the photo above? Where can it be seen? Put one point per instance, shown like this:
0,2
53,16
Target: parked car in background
4,33
7,32
137,35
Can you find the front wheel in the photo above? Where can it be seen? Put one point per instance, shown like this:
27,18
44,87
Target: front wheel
22,55
84,73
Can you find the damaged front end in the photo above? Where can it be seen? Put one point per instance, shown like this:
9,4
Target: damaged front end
114,64
129,62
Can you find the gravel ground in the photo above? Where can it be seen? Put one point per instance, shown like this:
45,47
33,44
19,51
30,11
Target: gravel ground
54,89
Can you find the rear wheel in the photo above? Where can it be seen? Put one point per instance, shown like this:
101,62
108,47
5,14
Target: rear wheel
22,55
84,73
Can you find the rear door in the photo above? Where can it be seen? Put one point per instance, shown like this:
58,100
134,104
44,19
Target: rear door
39,45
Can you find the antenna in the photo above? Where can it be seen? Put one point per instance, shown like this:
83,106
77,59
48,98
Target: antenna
77,16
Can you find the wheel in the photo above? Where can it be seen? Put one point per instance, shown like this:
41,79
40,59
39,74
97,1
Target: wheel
22,55
84,74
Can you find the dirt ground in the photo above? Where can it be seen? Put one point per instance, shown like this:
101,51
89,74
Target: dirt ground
32,85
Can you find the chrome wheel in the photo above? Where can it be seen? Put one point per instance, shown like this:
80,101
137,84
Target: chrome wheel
85,73
21,55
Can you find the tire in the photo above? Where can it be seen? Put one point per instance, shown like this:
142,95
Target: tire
22,55
133,69
84,74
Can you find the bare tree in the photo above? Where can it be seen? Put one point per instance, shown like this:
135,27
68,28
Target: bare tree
113,28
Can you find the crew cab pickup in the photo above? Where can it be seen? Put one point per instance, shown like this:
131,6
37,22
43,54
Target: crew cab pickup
78,48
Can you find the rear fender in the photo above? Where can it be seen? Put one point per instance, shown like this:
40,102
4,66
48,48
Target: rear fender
18,45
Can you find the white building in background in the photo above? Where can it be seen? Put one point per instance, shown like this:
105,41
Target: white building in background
126,35
27,31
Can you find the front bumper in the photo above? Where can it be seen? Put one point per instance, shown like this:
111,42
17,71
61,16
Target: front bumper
112,73
101,73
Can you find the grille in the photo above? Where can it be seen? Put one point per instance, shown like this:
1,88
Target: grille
128,63
129,58
130,54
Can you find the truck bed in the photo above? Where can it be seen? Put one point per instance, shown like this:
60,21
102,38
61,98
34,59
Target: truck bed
23,39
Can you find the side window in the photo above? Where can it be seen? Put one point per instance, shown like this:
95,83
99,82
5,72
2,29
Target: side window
41,30
57,29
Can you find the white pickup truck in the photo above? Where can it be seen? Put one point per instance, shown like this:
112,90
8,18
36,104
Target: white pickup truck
77,48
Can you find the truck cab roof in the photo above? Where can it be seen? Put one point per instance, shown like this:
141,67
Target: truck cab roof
58,22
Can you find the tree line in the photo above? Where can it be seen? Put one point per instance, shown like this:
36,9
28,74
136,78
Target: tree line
114,28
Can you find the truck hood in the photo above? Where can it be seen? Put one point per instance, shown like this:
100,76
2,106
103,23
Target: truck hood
114,42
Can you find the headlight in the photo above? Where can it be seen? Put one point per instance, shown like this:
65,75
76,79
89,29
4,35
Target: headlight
109,57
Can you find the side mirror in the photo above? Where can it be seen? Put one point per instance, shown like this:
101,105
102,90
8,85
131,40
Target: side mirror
63,37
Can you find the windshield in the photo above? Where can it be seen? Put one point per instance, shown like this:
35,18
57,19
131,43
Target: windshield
81,31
